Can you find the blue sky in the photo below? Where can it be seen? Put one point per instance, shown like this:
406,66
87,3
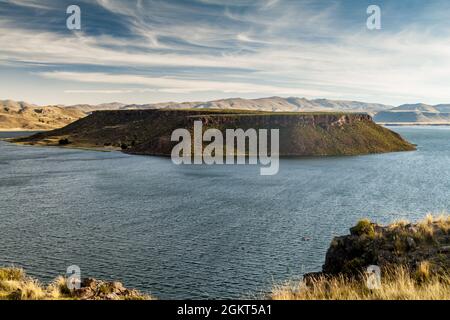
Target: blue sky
167,50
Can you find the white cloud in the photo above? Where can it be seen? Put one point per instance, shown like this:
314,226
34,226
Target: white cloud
256,54
166,84
110,91
29,4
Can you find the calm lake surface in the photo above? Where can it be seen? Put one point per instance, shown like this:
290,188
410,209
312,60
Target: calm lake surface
200,231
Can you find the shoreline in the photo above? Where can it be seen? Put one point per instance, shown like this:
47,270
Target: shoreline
85,148
114,149
415,124
389,124
25,130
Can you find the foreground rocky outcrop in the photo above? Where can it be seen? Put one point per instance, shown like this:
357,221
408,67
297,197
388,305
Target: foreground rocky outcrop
148,132
414,262
401,243
92,289
16,285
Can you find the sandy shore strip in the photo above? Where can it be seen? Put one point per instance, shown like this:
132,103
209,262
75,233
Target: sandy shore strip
22,130
413,123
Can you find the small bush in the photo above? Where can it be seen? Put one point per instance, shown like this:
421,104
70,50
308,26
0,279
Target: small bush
364,227
124,146
64,142
400,244
13,274
9,286
354,266
105,288
30,290
423,271
59,288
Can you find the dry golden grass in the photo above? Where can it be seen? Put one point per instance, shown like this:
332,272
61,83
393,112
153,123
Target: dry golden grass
58,289
442,221
12,273
423,272
16,285
424,230
29,290
396,284
426,227
398,224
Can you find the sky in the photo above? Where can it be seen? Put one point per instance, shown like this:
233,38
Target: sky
148,51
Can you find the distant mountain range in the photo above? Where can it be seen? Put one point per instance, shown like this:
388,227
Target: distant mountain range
24,116
275,104
415,114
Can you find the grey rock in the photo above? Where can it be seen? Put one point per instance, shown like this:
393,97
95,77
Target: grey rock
411,243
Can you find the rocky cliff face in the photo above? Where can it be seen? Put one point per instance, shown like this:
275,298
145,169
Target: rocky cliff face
301,134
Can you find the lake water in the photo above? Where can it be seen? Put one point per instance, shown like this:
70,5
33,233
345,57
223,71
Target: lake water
203,231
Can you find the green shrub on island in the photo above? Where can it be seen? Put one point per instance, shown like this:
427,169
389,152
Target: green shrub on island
63,142
364,227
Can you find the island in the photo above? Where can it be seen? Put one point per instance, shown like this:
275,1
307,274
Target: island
148,132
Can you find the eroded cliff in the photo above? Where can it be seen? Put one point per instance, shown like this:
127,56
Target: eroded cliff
301,134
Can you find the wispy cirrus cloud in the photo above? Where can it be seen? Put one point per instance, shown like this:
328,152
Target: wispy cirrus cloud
28,4
178,49
175,85
113,91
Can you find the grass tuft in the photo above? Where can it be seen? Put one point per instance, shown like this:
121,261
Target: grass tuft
16,285
364,227
11,273
396,284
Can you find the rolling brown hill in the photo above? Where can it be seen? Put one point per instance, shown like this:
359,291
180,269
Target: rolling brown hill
23,116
